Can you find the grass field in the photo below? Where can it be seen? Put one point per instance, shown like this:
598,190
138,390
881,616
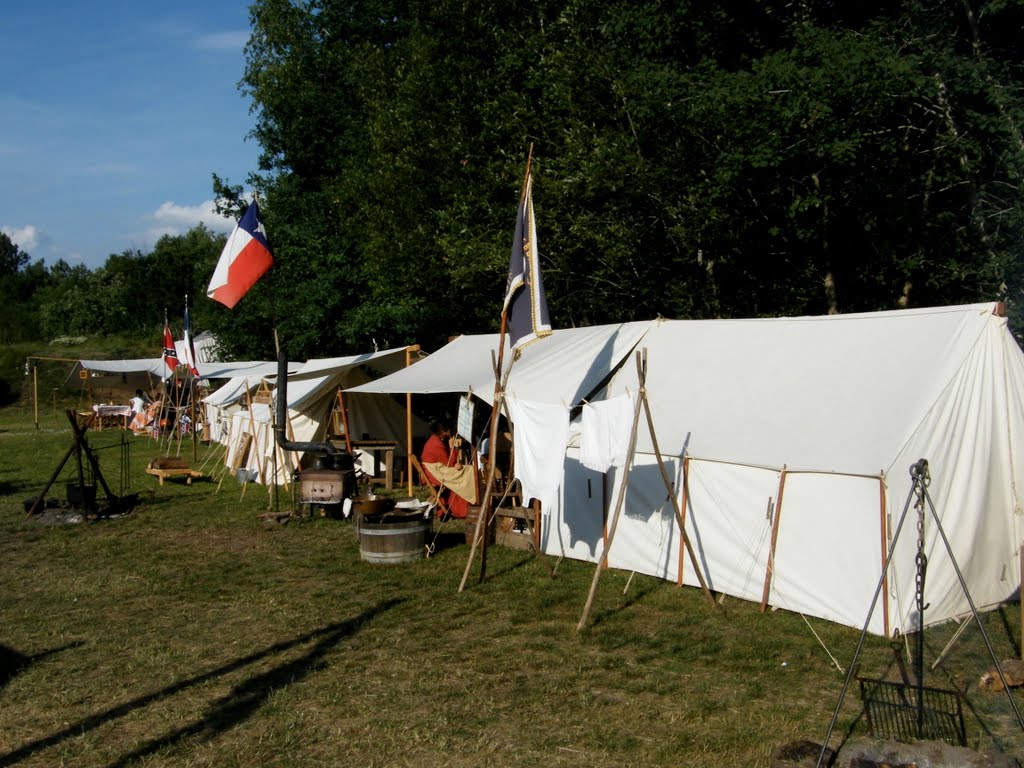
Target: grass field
188,632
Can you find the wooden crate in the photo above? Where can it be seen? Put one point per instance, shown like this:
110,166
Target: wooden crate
506,535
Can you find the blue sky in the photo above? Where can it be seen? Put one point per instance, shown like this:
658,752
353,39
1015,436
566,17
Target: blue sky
113,116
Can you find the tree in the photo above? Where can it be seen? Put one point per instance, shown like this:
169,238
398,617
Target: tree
20,280
692,159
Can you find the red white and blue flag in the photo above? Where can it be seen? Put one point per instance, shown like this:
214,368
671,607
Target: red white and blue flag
170,356
244,260
525,303
189,349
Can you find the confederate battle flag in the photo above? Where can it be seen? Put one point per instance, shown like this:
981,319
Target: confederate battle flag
170,356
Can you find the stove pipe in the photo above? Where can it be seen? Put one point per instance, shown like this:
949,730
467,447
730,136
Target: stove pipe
280,427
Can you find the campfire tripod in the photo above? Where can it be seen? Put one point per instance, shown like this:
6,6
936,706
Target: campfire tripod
80,445
919,488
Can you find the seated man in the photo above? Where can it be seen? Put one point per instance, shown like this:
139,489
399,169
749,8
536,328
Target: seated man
441,464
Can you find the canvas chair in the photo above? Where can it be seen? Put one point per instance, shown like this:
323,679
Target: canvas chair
436,500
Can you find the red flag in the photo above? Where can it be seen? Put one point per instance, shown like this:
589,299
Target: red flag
170,356
246,256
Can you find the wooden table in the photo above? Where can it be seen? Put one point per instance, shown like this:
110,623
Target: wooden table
378,447
112,415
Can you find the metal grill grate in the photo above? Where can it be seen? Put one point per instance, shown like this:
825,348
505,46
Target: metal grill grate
895,711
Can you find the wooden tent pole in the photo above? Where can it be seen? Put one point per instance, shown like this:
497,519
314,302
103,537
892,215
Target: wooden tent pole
683,505
485,502
672,495
192,408
162,413
884,529
408,418
770,568
177,421
255,438
641,365
344,419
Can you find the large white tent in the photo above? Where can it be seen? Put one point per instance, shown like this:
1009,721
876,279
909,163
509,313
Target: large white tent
790,441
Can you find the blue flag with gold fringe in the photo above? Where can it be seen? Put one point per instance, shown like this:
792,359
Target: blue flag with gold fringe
525,304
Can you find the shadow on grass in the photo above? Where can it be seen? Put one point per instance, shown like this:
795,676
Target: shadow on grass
634,595
492,572
228,711
12,662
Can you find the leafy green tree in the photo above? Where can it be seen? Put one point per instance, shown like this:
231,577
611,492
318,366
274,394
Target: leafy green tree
691,160
19,281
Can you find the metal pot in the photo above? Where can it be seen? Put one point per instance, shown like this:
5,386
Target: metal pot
367,506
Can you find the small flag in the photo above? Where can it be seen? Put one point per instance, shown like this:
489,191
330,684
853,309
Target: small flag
244,260
525,304
190,350
170,356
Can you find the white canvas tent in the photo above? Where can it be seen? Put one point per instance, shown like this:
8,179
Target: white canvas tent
803,429
312,389
230,397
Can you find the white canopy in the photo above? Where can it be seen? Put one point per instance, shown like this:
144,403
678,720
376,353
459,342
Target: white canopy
151,365
156,367
562,368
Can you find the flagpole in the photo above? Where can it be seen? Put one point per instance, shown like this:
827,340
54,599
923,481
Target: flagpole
500,382
483,518
193,369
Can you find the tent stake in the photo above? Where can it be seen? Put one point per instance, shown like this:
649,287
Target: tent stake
629,581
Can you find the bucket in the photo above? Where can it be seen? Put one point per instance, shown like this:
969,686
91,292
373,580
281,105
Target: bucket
81,495
393,538
472,515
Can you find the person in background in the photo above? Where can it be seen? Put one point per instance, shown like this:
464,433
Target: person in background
138,406
440,459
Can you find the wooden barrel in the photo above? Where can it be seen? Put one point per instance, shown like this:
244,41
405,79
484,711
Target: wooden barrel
472,516
390,538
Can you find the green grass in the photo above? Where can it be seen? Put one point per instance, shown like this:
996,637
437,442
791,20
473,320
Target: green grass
190,633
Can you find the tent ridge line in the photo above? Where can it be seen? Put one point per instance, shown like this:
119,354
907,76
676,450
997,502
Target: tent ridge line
770,467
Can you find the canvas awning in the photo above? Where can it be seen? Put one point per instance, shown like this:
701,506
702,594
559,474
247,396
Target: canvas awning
562,368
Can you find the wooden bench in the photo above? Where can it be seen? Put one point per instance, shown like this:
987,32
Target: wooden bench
188,474
165,468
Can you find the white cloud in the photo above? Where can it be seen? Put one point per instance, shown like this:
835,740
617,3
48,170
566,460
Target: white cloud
173,219
26,238
233,40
